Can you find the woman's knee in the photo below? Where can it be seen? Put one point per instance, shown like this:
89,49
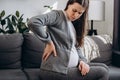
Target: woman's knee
103,70
105,66
98,73
103,73
99,64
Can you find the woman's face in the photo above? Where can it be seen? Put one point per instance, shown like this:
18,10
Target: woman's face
74,11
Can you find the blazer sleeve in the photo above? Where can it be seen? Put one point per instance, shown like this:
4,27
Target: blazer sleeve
81,57
37,25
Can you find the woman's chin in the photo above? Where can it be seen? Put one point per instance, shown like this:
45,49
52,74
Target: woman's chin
73,19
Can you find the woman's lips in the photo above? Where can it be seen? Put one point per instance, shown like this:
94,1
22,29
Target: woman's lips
72,18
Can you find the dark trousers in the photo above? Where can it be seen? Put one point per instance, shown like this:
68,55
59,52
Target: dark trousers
98,71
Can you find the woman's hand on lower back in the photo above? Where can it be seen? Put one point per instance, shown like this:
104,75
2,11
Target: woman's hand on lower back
49,50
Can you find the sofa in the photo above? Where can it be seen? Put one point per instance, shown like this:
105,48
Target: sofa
20,57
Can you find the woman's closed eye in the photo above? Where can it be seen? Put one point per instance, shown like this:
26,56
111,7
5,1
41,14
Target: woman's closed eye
80,13
74,10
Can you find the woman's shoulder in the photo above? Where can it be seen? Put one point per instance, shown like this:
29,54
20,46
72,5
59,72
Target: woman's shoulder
58,12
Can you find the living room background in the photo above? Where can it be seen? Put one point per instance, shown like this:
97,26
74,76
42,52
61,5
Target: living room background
34,7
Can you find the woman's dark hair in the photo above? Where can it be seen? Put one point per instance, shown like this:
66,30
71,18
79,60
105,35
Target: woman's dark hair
80,23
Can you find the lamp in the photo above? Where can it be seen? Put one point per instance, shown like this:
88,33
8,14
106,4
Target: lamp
96,12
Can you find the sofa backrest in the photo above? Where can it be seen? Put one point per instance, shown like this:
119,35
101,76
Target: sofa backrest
27,49
32,51
104,43
10,50
98,44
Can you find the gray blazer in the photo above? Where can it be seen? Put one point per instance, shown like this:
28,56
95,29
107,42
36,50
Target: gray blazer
58,32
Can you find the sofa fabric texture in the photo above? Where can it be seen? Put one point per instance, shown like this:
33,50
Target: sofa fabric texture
104,43
32,51
98,48
10,50
21,55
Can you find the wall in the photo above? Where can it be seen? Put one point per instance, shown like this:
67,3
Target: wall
30,7
106,26
34,7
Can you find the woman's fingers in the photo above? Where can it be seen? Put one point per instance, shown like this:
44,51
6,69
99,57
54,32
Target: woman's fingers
45,56
84,68
49,50
54,52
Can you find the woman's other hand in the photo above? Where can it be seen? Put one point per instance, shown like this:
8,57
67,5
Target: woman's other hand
84,68
49,49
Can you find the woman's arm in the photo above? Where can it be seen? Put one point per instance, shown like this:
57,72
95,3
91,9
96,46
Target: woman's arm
37,25
81,57
82,66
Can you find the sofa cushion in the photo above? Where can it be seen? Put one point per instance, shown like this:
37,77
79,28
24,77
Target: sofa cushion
104,43
33,73
12,74
32,51
98,48
114,73
51,75
10,50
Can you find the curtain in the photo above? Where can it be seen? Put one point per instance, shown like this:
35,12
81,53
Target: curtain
116,34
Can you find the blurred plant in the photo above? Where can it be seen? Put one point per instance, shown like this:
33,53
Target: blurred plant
3,21
12,23
49,7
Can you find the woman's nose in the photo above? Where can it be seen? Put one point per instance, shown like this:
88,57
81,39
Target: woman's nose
77,15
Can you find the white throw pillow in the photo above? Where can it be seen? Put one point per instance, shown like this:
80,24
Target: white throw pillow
90,49
93,45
